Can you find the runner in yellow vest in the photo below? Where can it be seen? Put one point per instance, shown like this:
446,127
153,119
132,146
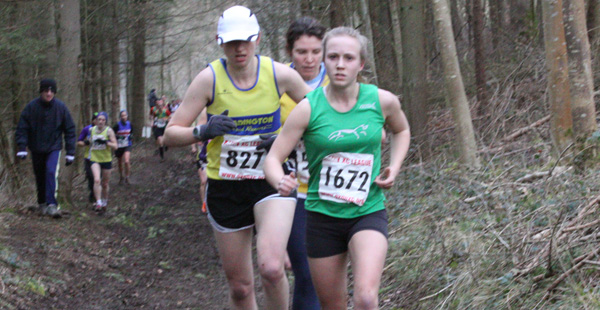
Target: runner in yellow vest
241,93
102,143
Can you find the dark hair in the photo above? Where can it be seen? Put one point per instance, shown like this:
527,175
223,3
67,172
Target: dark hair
303,25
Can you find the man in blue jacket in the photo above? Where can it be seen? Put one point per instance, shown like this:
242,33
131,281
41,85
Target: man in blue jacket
41,127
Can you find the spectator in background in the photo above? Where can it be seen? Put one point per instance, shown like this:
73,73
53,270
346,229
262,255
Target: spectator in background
83,141
41,127
152,98
102,142
174,105
123,132
160,117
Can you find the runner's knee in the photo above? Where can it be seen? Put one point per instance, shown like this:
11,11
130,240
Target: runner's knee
272,271
365,299
240,290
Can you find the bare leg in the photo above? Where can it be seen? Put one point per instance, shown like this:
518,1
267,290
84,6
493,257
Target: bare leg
367,254
235,250
97,174
329,275
273,224
105,179
126,158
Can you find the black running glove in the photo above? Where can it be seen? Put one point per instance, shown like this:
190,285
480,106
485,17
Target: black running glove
267,142
217,125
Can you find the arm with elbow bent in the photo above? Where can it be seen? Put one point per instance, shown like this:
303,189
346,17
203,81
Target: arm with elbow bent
284,144
197,96
112,139
400,141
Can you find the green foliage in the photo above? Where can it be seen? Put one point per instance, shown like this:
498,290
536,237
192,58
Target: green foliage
35,286
460,238
123,219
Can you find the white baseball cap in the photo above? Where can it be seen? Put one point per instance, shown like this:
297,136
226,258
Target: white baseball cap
237,23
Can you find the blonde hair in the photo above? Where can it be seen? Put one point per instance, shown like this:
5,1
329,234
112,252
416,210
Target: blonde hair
349,32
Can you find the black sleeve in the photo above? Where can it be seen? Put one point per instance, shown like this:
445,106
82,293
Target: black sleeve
115,127
23,128
69,132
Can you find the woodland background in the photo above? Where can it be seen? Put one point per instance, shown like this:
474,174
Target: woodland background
497,204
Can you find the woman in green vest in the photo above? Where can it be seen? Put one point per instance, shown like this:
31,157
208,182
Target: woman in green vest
341,125
102,143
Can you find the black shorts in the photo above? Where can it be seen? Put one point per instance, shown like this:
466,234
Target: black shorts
120,151
105,166
328,236
231,204
158,132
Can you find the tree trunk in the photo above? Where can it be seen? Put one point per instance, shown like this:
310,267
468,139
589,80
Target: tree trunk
115,84
138,102
559,96
414,79
455,92
505,19
397,31
103,78
458,22
337,13
69,51
479,51
580,69
593,18
370,68
162,58
496,22
385,57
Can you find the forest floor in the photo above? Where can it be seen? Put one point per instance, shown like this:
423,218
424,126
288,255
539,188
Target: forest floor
458,239
152,249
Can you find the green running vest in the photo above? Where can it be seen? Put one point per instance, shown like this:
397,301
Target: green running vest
344,155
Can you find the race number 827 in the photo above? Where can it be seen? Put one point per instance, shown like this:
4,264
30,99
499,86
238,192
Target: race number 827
245,159
239,158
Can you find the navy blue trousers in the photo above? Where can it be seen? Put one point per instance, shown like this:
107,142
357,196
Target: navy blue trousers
45,168
305,296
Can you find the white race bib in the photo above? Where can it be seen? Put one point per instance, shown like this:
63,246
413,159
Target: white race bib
160,123
122,141
346,177
302,169
97,146
239,158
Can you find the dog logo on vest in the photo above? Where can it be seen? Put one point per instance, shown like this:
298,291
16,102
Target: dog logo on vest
367,106
345,132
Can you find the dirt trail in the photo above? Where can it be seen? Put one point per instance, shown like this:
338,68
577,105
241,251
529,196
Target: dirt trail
153,249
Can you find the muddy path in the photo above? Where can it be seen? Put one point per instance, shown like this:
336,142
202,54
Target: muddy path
152,249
